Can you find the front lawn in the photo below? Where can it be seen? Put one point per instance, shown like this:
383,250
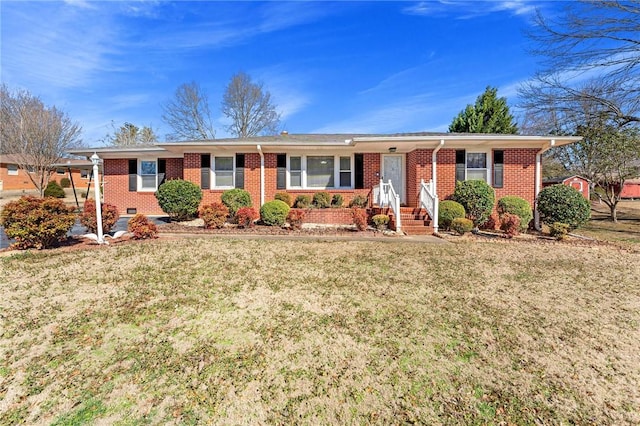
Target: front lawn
230,331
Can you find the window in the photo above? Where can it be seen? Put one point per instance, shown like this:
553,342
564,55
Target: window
295,171
60,171
320,172
223,172
471,165
148,175
84,174
12,169
498,169
345,172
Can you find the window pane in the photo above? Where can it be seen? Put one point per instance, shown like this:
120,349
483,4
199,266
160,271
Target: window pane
320,172
224,164
295,163
498,175
60,171
476,160
224,178
296,178
476,174
12,169
149,181
148,168
345,179
345,163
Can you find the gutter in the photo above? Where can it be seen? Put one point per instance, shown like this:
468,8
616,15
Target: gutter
538,174
261,174
434,174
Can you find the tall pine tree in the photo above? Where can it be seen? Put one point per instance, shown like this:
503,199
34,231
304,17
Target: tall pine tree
489,114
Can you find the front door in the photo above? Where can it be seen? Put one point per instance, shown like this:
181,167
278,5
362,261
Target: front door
392,171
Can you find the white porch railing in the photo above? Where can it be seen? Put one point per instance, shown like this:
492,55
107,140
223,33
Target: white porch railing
385,195
429,201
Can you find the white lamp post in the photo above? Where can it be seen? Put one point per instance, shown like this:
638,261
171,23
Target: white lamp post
96,182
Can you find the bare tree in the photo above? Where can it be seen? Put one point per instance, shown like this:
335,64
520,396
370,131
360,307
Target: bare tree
249,107
37,135
187,113
129,134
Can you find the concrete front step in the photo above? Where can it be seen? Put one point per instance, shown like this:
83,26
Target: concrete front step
417,230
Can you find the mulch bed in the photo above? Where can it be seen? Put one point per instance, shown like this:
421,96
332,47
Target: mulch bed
179,228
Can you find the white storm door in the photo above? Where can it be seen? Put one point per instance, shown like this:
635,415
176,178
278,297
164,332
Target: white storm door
392,171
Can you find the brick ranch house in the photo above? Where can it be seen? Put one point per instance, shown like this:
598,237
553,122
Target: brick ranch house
406,173
13,178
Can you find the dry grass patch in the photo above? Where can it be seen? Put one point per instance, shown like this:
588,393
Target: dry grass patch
626,231
253,332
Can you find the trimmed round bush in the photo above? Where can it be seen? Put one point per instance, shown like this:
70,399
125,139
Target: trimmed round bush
235,199
54,190
246,217
284,196
518,206
37,222
381,221
359,216
179,198
65,182
274,213
322,200
110,216
359,201
461,225
477,198
302,202
337,200
564,204
296,218
141,227
213,215
447,211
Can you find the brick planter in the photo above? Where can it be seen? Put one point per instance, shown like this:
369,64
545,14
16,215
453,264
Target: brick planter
339,216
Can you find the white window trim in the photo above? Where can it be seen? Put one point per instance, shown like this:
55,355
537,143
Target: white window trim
212,174
140,188
488,169
15,172
336,171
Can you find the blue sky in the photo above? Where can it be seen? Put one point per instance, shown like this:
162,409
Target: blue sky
332,67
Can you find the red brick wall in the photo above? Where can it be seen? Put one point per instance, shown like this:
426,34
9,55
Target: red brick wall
371,169
446,172
328,216
418,167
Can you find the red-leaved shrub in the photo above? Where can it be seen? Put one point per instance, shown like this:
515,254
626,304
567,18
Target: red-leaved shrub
359,218
142,228
510,224
246,217
296,218
37,222
88,217
491,224
214,215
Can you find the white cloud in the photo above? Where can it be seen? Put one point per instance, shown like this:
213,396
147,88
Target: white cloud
468,9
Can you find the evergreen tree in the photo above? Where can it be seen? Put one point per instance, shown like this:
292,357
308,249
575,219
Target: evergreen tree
489,114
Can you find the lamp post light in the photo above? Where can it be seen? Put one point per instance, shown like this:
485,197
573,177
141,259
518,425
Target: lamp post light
96,182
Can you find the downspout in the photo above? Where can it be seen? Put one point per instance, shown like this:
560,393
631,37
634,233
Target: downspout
434,184
261,174
538,174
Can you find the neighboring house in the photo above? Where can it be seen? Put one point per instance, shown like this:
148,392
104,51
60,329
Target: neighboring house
578,182
338,163
631,189
12,178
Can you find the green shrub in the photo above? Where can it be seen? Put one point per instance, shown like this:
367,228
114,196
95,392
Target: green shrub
236,199
510,224
337,200
359,201
322,200
213,215
477,198
381,221
37,222
447,211
141,227
65,182
296,218
461,225
558,230
54,190
179,198
359,218
518,206
246,217
564,204
302,202
110,216
284,196
274,213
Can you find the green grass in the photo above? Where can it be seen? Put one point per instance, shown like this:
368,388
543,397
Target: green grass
228,331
